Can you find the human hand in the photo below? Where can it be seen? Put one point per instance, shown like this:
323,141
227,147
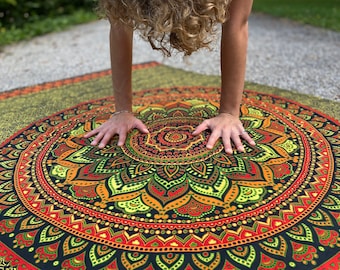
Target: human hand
119,124
227,127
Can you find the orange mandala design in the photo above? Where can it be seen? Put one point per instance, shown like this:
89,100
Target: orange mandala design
169,181
165,201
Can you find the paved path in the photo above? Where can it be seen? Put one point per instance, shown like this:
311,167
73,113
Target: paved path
281,53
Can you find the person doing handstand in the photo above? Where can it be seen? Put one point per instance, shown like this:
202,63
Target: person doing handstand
185,26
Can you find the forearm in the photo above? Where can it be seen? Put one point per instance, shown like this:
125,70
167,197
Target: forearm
121,65
234,43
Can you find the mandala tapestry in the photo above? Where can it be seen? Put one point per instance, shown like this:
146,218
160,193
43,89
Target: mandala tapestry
165,201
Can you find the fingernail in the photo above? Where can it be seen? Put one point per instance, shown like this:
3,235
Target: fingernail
229,151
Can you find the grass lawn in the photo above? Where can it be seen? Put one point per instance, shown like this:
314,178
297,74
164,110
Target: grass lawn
44,26
325,14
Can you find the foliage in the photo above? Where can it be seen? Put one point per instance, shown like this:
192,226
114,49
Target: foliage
44,26
22,19
17,13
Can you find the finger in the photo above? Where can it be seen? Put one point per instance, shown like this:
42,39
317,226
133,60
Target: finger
212,140
122,138
248,139
237,142
91,133
97,139
227,144
141,127
200,128
105,140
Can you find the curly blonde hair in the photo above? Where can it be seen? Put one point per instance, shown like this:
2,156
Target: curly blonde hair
184,25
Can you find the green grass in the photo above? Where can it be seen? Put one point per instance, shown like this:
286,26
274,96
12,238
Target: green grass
320,13
44,26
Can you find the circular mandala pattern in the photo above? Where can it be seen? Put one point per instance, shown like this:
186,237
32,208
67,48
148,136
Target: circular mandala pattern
166,193
170,142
